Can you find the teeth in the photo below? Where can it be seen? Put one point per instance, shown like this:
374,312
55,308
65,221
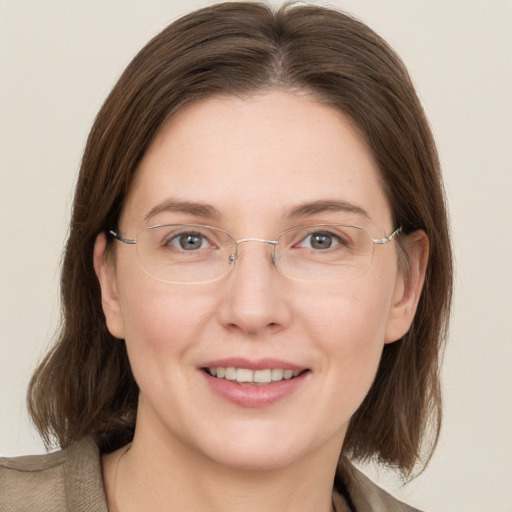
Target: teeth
244,375
230,374
262,376
277,374
288,374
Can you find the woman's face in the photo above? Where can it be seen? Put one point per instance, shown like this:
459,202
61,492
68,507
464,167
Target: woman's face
246,166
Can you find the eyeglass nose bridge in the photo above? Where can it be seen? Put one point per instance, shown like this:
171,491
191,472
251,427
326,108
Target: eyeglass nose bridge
273,243
262,240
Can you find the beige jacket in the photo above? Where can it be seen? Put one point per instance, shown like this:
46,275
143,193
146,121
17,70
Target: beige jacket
70,481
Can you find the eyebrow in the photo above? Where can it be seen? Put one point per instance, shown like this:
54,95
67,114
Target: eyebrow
316,207
210,212
192,208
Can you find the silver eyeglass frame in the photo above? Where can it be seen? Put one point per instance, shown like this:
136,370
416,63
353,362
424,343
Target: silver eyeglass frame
133,241
233,257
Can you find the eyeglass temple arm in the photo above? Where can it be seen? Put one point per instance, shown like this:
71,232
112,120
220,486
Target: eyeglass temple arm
387,239
122,239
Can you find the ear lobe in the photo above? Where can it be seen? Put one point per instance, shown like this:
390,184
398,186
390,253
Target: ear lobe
409,287
105,272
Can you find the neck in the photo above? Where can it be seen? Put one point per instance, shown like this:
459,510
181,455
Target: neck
169,476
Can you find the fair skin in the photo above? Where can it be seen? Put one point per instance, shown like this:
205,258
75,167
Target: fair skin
253,160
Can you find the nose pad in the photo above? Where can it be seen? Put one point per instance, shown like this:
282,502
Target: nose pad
275,256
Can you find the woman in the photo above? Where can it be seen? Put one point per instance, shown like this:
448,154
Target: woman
257,278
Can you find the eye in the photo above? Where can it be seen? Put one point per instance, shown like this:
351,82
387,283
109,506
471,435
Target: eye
191,241
321,240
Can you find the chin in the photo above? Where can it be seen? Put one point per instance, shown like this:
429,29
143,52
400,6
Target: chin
262,459
264,450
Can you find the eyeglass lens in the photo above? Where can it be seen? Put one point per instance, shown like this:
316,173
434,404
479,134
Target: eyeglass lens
190,253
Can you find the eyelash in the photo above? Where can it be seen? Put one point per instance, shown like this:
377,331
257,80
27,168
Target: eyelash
335,239
177,238
168,241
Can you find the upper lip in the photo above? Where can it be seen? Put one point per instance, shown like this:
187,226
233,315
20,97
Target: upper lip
252,364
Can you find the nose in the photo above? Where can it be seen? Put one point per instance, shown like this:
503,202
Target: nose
255,300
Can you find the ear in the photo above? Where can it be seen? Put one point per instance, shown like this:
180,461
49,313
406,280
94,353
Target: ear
408,287
106,274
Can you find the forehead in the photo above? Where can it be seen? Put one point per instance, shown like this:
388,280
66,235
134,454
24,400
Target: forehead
258,157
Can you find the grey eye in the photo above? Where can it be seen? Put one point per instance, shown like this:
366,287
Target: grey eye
189,241
320,240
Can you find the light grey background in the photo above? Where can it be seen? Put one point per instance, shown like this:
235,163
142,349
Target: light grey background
59,59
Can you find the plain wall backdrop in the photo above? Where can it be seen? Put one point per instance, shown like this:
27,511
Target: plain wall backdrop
58,61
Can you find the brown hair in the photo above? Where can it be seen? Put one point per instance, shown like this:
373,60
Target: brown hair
85,385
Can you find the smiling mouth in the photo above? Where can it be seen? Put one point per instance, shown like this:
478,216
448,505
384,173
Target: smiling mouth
258,377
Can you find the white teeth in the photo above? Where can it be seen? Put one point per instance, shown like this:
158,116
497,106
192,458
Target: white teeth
230,374
244,375
277,374
262,376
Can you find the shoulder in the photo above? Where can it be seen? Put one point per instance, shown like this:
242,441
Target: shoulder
68,479
369,497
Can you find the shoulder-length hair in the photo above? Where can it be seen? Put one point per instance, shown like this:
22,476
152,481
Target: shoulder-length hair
84,385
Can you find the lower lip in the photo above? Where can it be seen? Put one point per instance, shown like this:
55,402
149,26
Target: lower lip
252,395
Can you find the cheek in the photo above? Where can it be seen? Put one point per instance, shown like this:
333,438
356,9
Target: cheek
162,325
353,318
349,330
